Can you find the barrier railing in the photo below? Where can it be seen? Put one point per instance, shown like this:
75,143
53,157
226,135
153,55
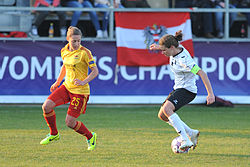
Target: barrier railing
112,10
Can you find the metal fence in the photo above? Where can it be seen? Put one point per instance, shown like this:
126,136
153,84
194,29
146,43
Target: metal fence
112,10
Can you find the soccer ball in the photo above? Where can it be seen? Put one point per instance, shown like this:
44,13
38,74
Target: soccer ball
176,143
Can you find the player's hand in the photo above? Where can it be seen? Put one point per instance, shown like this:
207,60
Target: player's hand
80,1
154,47
78,82
54,86
210,99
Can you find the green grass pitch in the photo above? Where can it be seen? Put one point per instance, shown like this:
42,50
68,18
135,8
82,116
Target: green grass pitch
127,136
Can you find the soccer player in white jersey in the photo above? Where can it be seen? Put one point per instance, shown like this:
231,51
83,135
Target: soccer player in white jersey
185,90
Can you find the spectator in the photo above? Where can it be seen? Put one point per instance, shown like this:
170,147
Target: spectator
135,4
77,14
219,18
41,15
117,4
105,20
196,21
202,23
183,3
208,19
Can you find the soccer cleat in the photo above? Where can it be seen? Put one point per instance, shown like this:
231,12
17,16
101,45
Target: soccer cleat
194,137
186,144
50,138
92,142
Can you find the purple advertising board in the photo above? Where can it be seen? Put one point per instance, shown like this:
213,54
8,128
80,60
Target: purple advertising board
28,69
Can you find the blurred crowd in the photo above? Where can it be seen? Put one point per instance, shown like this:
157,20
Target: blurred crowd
100,29
208,25
211,25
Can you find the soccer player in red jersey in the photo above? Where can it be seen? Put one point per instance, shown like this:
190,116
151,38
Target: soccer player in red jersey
74,90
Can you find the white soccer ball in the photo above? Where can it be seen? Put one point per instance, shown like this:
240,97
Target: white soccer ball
175,146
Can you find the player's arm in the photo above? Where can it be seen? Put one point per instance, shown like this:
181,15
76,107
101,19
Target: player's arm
210,97
59,79
90,77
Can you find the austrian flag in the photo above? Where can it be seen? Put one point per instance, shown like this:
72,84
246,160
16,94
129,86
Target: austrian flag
136,31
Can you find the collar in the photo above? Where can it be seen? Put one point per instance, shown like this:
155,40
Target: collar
179,52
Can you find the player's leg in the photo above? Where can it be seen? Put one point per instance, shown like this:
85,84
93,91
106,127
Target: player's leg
172,104
58,97
183,97
176,122
163,116
50,116
194,137
192,133
78,104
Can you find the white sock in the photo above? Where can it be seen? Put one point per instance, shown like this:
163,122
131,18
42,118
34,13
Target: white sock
176,122
187,129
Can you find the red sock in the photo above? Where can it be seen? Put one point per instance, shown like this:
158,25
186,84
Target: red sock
81,128
50,118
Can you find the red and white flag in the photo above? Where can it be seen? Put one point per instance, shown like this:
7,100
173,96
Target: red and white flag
136,31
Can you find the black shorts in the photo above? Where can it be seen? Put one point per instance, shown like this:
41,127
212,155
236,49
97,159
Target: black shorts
180,97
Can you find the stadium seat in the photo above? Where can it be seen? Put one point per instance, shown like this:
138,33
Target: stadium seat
7,2
15,20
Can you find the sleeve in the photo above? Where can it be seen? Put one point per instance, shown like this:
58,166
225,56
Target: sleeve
195,69
89,59
62,50
187,63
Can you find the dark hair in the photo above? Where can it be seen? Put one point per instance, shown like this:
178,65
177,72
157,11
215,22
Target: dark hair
73,31
169,40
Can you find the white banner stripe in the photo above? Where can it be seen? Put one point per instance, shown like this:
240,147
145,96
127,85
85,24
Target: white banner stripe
132,38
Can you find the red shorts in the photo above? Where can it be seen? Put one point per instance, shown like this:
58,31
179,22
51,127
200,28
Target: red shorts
77,103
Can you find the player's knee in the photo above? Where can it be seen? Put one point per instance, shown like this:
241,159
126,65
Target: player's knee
168,109
160,114
70,123
46,108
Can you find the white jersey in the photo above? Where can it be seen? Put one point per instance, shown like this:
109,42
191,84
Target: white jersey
181,65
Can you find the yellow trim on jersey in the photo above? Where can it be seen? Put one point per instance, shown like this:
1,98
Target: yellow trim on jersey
195,69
